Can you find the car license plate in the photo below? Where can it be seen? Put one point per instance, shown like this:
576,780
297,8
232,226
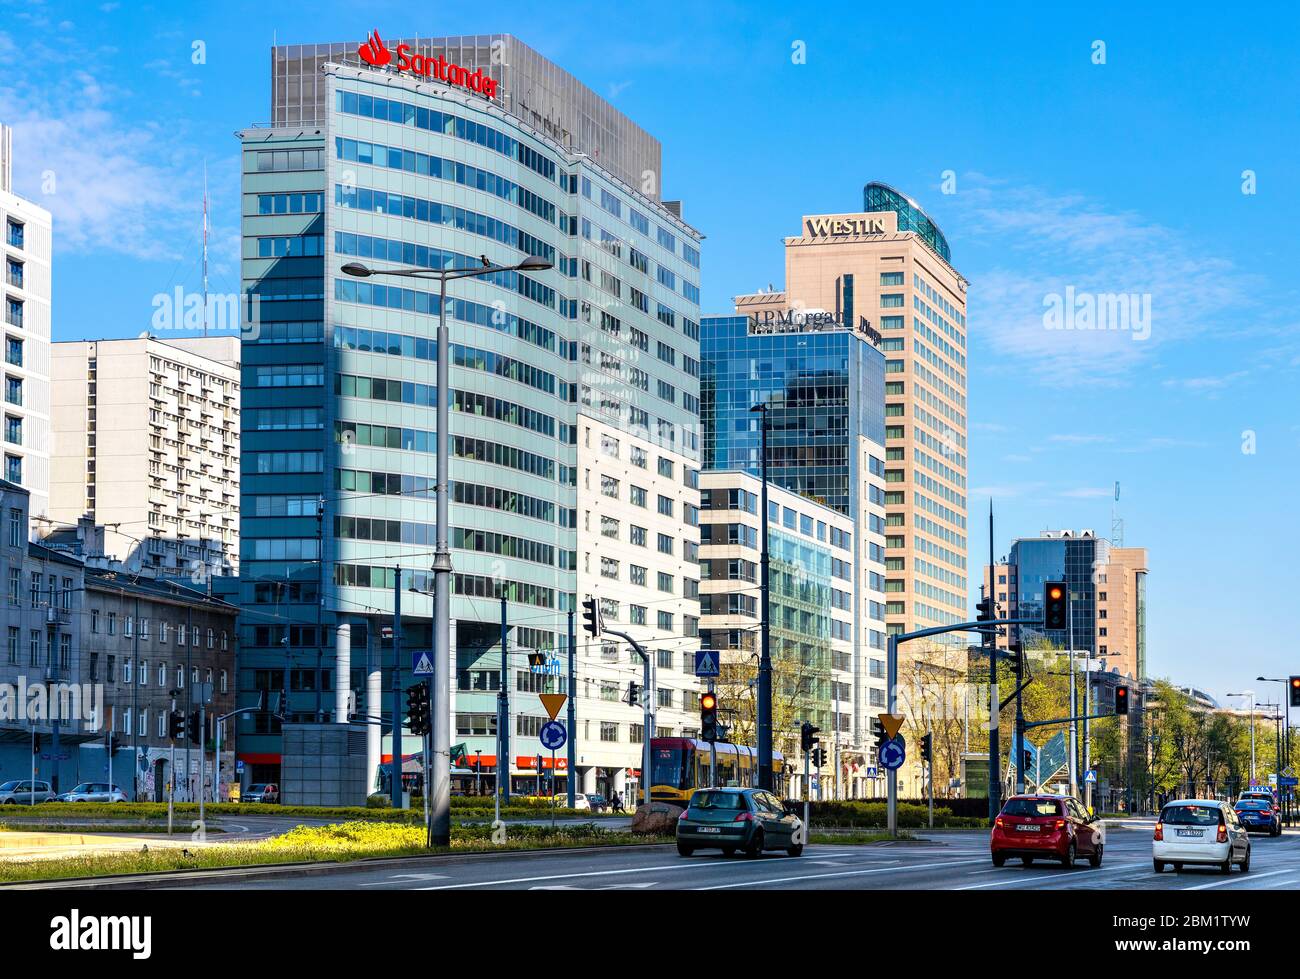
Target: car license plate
710,829
1198,833
1029,829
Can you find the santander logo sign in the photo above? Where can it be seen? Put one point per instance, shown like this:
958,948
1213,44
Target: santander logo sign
375,53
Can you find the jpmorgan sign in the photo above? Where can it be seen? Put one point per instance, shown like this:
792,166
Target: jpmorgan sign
806,321
833,227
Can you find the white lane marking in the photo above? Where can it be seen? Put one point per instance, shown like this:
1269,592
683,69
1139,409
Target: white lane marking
684,865
1024,881
406,878
976,873
842,873
1234,880
1283,883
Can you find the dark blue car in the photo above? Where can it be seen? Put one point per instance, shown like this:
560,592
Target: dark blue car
1259,815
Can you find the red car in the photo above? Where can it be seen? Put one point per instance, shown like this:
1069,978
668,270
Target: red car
1055,827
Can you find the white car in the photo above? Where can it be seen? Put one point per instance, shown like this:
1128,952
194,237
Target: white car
94,792
1200,831
580,801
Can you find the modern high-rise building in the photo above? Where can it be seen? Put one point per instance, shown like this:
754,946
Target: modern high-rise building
28,248
821,381
890,267
146,436
816,676
1107,586
574,401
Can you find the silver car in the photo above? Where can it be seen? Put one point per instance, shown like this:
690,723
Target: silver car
94,792
24,792
1200,831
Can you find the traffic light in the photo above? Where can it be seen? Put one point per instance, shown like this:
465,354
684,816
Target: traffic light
633,693
709,716
176,725
536,661
195,730
1027,763
417,709
592,620
806,738
819,757
878,730
1121,700
36,742
1055,597
927,747
1295,691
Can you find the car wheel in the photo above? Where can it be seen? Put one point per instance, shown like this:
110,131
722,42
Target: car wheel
796,850
1226,866
1070,854
999,859
1245,862
1027,861
684,850
1095,859
1178,868
728,851
755,848
1158,866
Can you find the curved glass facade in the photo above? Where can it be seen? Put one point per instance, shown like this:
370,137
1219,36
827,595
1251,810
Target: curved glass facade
400,176
881,197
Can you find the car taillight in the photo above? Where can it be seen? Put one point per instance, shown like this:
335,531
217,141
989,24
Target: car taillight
744,817
1060,824
1160,832
1223,834
683,815
998,822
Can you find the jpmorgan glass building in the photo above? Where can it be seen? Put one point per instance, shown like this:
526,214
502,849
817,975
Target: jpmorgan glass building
574,400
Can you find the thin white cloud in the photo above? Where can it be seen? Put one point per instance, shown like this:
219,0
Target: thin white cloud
1204,384
1088,492
1042,244
1081,439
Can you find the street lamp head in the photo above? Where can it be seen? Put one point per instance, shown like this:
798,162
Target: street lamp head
356,269
758,408
534,263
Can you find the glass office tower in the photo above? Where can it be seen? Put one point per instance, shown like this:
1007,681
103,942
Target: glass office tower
574,404
825,392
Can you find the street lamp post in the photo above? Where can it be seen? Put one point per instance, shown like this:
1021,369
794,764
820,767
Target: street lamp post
765,653
1251,695
1285,755
439,706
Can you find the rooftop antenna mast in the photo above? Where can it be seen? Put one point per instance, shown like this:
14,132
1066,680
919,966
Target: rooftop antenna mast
1116,521
205,248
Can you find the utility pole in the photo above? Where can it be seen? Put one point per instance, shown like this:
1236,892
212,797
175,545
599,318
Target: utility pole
995,702
503,711
1074,725
396,787
572,716
1019,651
765,653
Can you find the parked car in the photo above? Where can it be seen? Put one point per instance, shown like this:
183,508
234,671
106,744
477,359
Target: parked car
732,819
261,792
580,801
1056,827
25,792
1260,814
597,802
94,792
1200,831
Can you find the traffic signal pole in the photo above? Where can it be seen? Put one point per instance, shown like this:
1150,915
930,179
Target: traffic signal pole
892,644
765,646
396,786
572,718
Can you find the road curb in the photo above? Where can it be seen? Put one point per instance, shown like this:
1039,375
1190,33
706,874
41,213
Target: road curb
180,878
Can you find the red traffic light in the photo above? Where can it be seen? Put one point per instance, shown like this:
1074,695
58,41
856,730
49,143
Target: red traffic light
1054,592
1121,700
708,701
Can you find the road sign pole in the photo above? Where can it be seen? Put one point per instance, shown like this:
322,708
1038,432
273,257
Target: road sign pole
891,695
552,788
713,754
572,715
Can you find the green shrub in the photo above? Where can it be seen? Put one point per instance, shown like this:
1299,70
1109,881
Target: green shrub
378,801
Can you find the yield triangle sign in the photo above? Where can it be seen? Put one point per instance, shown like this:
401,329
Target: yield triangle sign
552,702
892,724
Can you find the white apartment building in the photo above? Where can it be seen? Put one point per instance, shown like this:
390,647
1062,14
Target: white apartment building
638,553
822,599
27,246
146,436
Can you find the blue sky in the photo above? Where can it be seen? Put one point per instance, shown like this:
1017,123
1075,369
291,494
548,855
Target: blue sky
1117,177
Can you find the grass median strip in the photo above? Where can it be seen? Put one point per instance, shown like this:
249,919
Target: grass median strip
337,842
139,812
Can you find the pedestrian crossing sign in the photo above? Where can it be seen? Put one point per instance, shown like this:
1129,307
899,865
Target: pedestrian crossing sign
421,663
706,662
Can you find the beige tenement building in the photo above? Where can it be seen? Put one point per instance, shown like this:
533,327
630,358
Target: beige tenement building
889,266
146,437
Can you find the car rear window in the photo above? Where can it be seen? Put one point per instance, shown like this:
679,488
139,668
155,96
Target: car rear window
1191,815
1031,807
719,800
1253,804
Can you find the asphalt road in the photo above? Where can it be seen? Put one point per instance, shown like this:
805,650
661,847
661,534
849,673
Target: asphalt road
955,861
